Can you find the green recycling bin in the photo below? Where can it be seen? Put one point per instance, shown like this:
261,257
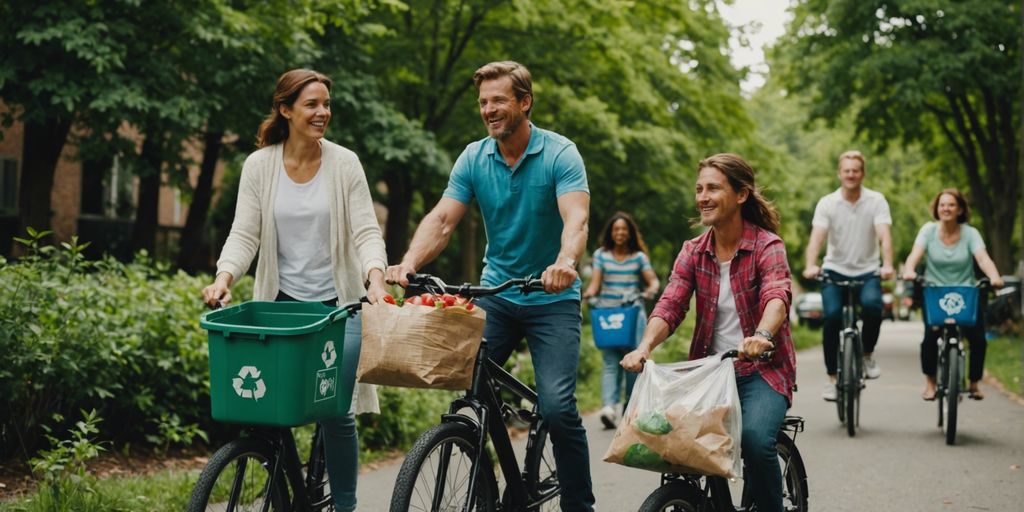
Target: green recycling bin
277,363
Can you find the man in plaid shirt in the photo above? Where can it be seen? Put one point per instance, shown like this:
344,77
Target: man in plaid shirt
739,272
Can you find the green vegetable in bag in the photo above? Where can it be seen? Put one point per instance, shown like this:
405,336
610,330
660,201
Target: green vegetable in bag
653,422
640,456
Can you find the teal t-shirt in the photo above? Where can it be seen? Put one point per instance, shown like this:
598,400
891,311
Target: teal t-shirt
949,265
520,206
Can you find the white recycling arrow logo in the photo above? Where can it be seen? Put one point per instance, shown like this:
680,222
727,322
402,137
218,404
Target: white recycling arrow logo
612,322
329,355
952,303
249,372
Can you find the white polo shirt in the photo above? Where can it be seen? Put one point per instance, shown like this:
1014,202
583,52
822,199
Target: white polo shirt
852,242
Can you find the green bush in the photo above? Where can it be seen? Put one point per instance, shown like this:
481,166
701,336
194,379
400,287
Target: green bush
121,339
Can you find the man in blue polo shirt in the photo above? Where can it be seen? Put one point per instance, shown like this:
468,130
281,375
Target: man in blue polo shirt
531,186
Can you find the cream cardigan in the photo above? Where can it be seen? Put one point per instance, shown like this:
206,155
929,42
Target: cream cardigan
356,242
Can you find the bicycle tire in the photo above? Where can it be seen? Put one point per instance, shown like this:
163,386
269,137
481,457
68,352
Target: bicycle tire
953,394
241,453
850,385
417,477
541,474
794,478
678,496
316,481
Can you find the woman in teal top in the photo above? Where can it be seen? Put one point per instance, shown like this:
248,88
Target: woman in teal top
951,247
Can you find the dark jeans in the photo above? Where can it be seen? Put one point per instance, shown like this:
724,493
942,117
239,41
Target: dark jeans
832,298
341,442
978,344
552,333
763,411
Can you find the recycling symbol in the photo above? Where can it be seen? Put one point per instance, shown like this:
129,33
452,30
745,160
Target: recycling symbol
329,355
952,303
249,372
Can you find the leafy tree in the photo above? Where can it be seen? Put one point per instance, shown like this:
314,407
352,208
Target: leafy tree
947,75
644,90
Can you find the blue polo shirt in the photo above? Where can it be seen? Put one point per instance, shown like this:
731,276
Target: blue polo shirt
520,206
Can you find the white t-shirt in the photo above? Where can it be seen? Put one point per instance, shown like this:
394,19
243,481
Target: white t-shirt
303,217
852,242
728,332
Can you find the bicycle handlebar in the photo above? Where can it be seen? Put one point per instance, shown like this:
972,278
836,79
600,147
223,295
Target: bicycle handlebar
426,283
765,356
825,278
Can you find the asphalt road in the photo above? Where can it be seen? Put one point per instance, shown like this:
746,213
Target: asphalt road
897,462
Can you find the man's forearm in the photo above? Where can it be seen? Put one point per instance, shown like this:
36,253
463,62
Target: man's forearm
574,239
431,237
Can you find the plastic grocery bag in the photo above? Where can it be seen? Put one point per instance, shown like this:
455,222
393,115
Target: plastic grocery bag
682,418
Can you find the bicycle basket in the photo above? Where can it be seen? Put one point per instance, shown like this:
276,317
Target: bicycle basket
944,305
277,363
614,327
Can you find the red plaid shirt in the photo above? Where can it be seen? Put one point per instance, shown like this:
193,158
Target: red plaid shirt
759,273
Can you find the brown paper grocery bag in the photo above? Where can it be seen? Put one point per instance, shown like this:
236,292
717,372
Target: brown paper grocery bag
419,347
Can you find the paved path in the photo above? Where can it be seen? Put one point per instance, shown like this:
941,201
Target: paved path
897,462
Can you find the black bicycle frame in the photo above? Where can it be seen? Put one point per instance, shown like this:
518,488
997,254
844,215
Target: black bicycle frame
485,401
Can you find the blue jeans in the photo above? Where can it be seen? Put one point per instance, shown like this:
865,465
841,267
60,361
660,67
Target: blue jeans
613,376
763,410
341,442
552,333
832,298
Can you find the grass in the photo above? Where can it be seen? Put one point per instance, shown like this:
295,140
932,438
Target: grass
167,490
1005,361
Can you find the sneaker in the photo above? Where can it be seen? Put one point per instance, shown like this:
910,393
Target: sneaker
609,418
830,394
871,368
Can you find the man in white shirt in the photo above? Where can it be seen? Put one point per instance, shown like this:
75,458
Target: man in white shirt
854,219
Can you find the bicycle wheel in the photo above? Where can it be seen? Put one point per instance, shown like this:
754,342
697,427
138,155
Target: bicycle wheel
941,378
677,496
435,474
317,485
794,478
238,478
953,392
541,476
850,385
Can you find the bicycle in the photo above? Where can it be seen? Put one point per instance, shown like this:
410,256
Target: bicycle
850,376
261,471
449,468
695,492
949,308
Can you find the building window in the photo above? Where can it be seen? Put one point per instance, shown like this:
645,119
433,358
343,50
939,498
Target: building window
106,189
8,186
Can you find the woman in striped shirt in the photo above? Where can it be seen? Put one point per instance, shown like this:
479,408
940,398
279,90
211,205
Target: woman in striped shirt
621,270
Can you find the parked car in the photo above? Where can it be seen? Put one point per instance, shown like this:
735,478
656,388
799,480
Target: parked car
809,309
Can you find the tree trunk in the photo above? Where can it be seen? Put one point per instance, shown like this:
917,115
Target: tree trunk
190,257
470,272
147,209
396,176
41,150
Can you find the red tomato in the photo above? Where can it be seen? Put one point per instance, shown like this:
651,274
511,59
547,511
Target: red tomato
389,299
449,300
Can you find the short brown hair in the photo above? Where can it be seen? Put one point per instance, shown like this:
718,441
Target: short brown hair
274,128
965,212
522,83
853,154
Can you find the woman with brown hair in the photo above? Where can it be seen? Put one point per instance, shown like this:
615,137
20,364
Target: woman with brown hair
951,246
621,270
305,207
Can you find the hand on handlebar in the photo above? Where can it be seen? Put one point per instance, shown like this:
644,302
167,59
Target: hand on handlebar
398,274
634,361
811,271
754,347
886,272
218,294
909,275
558,277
